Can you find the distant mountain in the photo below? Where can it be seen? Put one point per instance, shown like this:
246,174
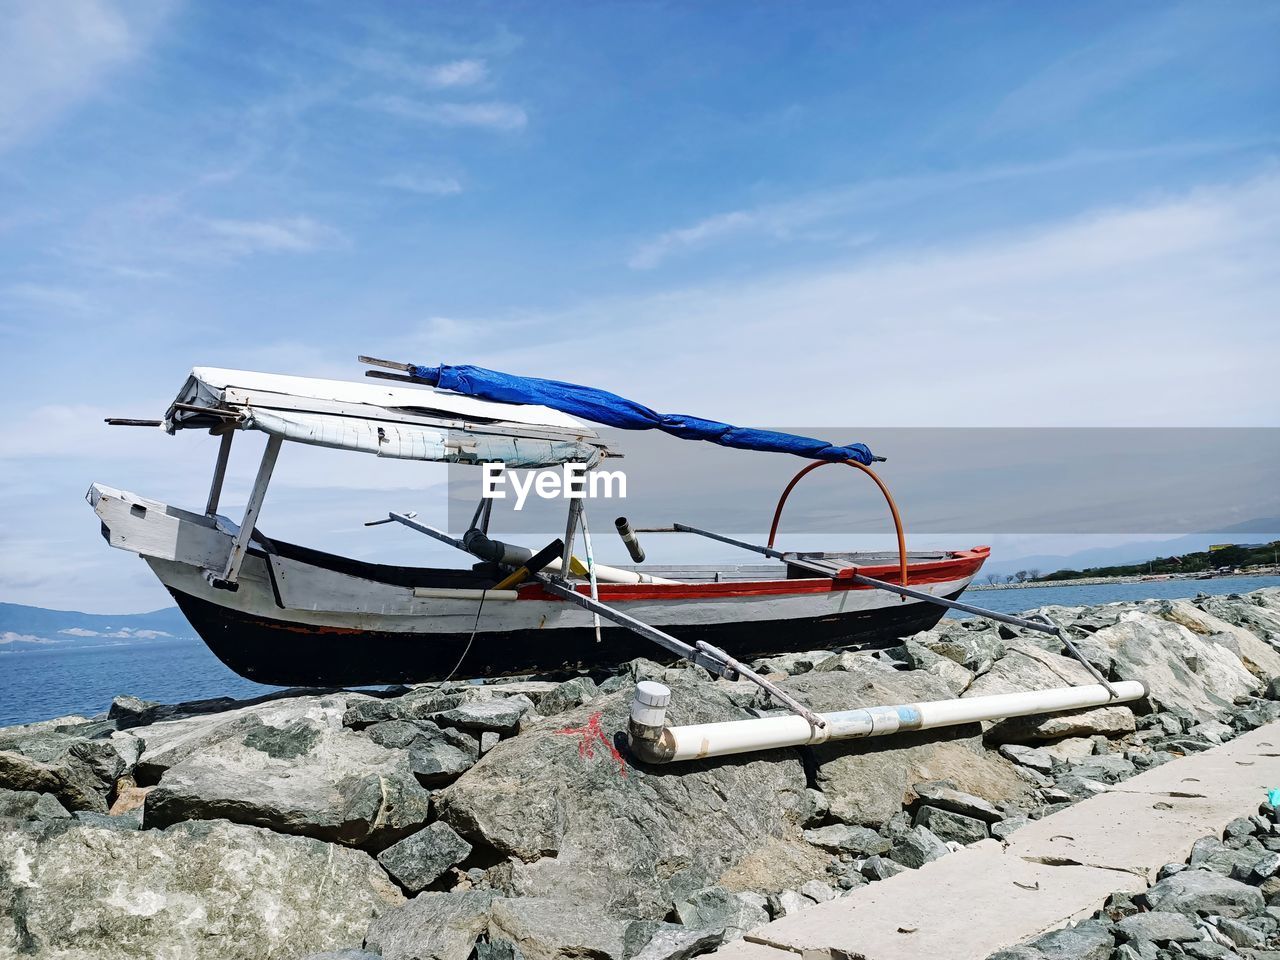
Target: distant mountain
22,626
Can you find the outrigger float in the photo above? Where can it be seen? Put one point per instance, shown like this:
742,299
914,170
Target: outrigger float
286,614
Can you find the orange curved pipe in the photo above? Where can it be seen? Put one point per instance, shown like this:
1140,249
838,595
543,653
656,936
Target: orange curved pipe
893,508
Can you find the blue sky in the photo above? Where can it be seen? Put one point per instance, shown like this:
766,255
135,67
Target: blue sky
886,214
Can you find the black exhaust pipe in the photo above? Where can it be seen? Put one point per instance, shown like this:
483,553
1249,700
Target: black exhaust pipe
629,538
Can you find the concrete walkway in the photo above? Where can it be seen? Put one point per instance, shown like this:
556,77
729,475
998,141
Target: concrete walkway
989,896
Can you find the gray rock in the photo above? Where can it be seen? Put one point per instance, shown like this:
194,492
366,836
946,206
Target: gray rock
673,941
352,954
817,891
1003,829
1258,871
488,740
432,926
917,848
867,781
70,768
544,928
1191,673
976,650
1107,721
362,712
131,820
497,948
716,908
1157,926
956,676
588,826
787,903
943,795
843,838
1032,757
1088,940
1240,934
120,895
880,868
1203,892
393,734
1210,853
818,807
439,756
295,769
421,858
565,696
500,715
794,663
946,825
1104,768
29,805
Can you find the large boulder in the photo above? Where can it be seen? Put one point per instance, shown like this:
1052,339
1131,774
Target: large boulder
1181,669
1203,892
432,926
1262,659
546,928
293,768
81,893
1025,667
55,758
867,781
587,823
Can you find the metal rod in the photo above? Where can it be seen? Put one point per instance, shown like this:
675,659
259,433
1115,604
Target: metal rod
230,573
219,474
663,639
777,692
440,535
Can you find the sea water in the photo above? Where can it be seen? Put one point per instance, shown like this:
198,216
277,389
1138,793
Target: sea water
54,680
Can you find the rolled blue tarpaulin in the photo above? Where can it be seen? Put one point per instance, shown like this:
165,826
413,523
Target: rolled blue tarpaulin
601,406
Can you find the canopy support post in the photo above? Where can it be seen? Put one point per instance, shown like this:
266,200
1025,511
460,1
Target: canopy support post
231,573
571,527
219,474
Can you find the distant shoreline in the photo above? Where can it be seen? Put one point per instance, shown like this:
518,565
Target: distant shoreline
1095,581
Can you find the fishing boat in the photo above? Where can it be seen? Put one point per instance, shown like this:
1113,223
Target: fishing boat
283,613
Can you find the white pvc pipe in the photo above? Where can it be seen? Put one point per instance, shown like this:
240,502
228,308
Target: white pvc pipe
700,740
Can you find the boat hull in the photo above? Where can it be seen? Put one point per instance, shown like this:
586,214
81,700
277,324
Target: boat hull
288,653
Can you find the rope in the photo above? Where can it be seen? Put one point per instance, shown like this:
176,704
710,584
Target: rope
470,640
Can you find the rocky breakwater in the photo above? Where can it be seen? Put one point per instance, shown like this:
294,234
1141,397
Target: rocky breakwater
508,819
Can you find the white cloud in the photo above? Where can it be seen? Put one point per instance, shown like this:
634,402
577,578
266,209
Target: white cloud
288,235
79,632
45,297
457,73
486,115
428,184
452,74
1123,316
847,207
56,55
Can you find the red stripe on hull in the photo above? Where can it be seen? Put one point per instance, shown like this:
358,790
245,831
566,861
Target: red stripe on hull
964,563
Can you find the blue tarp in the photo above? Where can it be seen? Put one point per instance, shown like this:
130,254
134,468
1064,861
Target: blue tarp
600,406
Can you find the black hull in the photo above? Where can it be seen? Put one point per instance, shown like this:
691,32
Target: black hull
292,654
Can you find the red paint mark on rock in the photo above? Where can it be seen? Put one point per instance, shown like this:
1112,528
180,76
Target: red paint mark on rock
587,738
